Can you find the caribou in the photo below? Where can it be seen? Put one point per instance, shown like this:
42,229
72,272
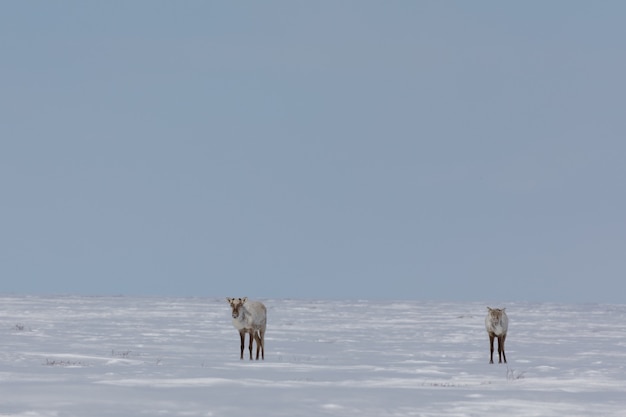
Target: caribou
249,317
497,323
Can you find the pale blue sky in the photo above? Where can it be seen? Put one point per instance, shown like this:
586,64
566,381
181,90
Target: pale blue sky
334,149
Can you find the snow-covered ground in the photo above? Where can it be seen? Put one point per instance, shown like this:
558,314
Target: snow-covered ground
129,356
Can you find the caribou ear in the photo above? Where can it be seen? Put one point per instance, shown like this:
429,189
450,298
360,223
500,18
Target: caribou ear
229,300
244,299
489,308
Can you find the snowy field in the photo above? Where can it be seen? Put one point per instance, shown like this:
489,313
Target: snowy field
127,356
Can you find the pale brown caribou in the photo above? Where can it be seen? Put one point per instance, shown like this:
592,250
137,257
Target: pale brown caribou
497,323
249,317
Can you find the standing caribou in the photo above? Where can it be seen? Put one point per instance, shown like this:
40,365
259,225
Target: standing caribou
497,324
249,317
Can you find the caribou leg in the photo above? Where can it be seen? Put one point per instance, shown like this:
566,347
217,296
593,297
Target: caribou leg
242,336
250,347
501,354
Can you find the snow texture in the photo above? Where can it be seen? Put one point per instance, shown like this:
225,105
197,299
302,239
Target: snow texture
129,356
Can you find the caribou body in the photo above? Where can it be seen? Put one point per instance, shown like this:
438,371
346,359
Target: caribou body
249,317
497,324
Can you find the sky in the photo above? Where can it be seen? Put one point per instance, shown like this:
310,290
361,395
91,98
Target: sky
334,149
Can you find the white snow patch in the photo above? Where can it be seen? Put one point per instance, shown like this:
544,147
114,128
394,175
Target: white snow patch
113,356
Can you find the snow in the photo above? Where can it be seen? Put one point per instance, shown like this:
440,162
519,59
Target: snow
132,356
